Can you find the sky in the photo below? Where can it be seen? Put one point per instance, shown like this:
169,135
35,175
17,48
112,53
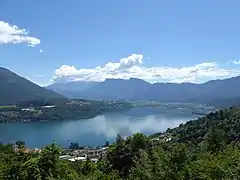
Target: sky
157,40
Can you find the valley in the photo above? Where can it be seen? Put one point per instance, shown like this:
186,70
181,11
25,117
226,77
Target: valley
119,90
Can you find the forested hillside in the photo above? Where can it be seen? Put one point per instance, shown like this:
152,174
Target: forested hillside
15,89
33,111
207,148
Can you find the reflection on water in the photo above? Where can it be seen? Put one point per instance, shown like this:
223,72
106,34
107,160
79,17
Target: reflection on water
97,130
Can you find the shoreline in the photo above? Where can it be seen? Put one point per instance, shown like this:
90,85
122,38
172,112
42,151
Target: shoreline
65,119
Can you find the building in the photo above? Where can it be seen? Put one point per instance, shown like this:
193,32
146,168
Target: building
82,158
65,157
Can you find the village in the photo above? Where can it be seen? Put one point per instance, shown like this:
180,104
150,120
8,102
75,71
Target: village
80,153
73,153
84,153
94,154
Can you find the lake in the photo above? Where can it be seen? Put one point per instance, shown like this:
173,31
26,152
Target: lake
95,131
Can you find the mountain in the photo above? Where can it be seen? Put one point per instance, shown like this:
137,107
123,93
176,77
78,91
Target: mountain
216,92
15,89
70,89
112,89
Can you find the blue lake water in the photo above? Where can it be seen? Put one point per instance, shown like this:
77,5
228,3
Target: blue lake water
95,131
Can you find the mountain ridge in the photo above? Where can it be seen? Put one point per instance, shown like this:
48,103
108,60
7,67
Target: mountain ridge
15,89
138,89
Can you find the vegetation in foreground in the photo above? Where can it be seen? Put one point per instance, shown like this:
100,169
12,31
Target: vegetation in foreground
59,110
207,148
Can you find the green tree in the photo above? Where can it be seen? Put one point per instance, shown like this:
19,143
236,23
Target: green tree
214,140
20,144
73,145
30,170
49,160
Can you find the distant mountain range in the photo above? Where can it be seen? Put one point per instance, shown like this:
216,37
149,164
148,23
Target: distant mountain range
71,89
216,92
15,89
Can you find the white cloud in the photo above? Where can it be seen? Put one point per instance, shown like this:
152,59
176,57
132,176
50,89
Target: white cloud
236,62
12,34
132,66
230,62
